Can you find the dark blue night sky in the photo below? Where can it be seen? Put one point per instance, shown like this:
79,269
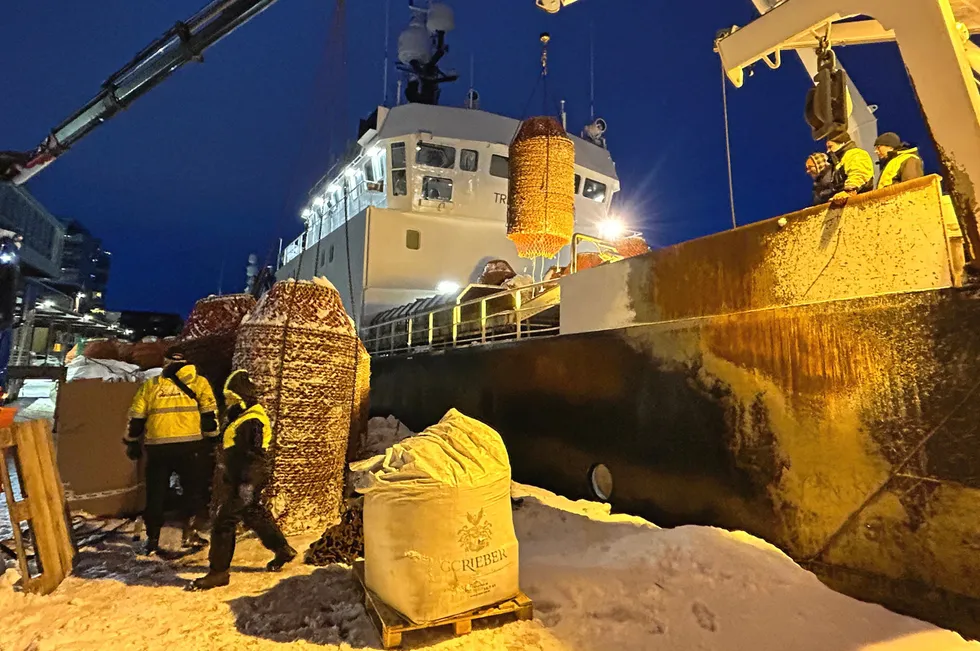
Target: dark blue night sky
216,162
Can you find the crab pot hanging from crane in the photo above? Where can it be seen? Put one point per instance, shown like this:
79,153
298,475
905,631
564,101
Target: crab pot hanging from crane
541,202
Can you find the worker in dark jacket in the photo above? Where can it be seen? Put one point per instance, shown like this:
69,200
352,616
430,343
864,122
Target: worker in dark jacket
175,415
820,167
854,171
899,161
245,442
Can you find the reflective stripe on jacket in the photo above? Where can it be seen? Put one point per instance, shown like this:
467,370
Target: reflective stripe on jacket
255,412
893,172
171,415
856,170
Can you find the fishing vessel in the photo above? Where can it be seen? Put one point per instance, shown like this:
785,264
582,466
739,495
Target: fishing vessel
811,378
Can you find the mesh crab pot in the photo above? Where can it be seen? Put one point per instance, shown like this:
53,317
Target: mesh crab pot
541,202
208,339
362,403
301,350
629,247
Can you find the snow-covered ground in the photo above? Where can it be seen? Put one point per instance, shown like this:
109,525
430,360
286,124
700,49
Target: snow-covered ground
598,581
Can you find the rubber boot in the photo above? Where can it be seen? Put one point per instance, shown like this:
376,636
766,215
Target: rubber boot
210,580
149,548
283,556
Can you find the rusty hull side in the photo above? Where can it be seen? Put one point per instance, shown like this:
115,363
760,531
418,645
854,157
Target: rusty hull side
812,380
843,432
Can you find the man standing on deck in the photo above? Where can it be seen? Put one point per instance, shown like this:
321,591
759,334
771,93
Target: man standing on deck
899,161
245,471
854,171
821,169
175,414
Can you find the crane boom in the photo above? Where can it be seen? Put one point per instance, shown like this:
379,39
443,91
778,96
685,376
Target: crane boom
184,42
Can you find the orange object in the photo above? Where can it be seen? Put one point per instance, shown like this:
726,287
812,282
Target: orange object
632,246
7,416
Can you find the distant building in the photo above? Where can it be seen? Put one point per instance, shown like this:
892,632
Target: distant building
84,267
150,324
43,235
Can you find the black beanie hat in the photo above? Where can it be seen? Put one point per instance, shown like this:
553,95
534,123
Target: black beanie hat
889,139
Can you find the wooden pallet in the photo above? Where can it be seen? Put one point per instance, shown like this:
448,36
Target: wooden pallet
30,447
392,625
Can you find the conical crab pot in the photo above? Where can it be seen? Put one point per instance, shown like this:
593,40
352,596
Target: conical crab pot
301,350
541,201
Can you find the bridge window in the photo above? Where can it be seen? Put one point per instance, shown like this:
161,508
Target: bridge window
499,167
594,190
435,188
469,160
399,176
435,155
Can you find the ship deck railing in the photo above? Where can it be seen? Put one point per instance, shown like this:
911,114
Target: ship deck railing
509,314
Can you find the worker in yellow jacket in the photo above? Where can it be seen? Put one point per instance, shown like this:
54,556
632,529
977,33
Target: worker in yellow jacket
174,415
899,161
245,471
854,171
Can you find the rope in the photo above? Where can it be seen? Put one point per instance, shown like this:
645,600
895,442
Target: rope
728,145
897,470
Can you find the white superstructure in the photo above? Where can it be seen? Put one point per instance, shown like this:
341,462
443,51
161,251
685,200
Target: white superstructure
424,203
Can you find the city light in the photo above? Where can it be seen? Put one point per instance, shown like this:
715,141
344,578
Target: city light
611,229
447,287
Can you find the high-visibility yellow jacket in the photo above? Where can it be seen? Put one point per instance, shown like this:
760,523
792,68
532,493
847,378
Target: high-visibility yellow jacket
904,165
855,170
255,413
171,415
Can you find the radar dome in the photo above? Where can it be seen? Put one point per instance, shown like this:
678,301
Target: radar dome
440,18
414,45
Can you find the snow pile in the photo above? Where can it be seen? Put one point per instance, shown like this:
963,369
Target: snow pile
382,433
598,581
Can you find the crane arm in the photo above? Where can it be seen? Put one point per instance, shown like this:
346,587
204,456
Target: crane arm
184,42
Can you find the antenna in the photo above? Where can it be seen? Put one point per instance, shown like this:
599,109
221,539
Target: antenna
592,71
472,81
384,101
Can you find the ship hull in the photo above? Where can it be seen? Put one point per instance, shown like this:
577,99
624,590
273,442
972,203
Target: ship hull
843,432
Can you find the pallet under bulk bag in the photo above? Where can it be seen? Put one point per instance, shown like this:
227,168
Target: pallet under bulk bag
438,528
301,350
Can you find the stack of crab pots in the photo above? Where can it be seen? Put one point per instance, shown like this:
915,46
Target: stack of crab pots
302,351
208,339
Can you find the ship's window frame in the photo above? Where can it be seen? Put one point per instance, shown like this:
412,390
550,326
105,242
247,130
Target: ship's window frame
413,239
594,190
495,166
330,255
464,154
578,183
399,173
446,151
427,180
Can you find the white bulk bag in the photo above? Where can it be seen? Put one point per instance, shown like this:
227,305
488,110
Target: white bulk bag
438,529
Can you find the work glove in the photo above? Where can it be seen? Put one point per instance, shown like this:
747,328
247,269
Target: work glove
247,493
134,450
841,197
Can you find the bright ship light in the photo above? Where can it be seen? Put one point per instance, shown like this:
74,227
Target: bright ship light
611,229
306,214
447,287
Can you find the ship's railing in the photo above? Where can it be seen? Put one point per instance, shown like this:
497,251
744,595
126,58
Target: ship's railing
509,314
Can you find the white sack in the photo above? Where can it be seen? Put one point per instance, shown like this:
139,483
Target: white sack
438,529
